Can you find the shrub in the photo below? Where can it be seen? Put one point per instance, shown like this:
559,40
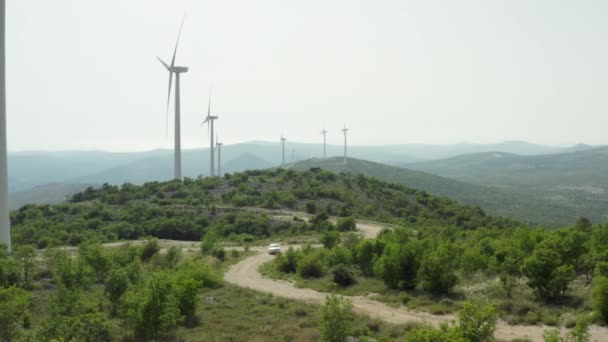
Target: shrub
600,297
398,265
311,207
152,309
149,249
346,224
219,253
288,262
14,305
310,266
477,323
336,319
437,271
343,275
330,238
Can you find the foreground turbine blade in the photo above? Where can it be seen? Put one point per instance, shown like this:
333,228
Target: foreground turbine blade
168,101
177,42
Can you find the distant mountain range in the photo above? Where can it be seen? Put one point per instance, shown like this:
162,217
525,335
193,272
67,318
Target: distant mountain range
498,177
30,169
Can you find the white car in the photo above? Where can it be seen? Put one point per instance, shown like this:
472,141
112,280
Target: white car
274,248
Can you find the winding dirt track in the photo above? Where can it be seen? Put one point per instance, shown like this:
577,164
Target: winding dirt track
245,274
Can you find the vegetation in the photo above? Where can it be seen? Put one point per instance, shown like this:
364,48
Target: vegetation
438,256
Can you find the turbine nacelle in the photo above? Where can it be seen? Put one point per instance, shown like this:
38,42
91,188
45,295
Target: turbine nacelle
178,69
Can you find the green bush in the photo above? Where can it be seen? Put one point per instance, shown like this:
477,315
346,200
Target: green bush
437,271
343,275
330,238
477,323
398,265
310,266
14,304
346,224
149,249
600,297
219,253
336,319
288,262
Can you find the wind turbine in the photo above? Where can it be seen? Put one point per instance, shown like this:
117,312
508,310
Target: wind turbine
5,223
209,119
283,146
177,70
324,133
219,156
344,130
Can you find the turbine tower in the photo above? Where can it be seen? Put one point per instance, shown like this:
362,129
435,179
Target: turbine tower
283,147
344,130
5,223
219,157
324,133
209,120
177,70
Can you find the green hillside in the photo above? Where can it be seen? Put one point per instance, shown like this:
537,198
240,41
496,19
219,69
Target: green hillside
526,207
185,210
577,180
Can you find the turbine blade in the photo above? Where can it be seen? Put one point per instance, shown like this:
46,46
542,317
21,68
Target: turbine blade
163,63
205,121
168,102
177,42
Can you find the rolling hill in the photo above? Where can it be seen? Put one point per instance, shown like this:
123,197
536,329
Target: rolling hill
30,169
526,207
576,180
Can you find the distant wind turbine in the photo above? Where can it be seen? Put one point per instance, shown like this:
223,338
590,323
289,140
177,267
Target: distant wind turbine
5,223
324,133
177,70
209,119
344,130
219,157
283,146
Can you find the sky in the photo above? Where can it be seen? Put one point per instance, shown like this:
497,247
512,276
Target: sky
83,74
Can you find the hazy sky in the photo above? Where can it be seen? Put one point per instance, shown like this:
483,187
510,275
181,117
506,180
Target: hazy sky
82,74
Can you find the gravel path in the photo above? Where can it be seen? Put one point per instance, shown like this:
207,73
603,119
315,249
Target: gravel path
245,274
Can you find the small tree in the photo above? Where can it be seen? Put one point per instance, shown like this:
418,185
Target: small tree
346,224
336,319
600,297
546,274
14,305
330,238
477,323
152,309
364,256
288,262
150,249
310,266
117,284
343,275
437,271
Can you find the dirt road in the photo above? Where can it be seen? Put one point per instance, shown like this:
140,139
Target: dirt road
245,274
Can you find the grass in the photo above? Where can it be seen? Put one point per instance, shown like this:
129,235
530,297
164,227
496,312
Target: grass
231,313
521,308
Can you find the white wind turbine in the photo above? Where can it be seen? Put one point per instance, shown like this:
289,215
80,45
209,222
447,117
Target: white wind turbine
219,156
5,223
209,119
344,130
177,70
324,133
283,147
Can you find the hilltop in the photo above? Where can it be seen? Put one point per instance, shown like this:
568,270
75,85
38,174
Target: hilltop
186,210
524,207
